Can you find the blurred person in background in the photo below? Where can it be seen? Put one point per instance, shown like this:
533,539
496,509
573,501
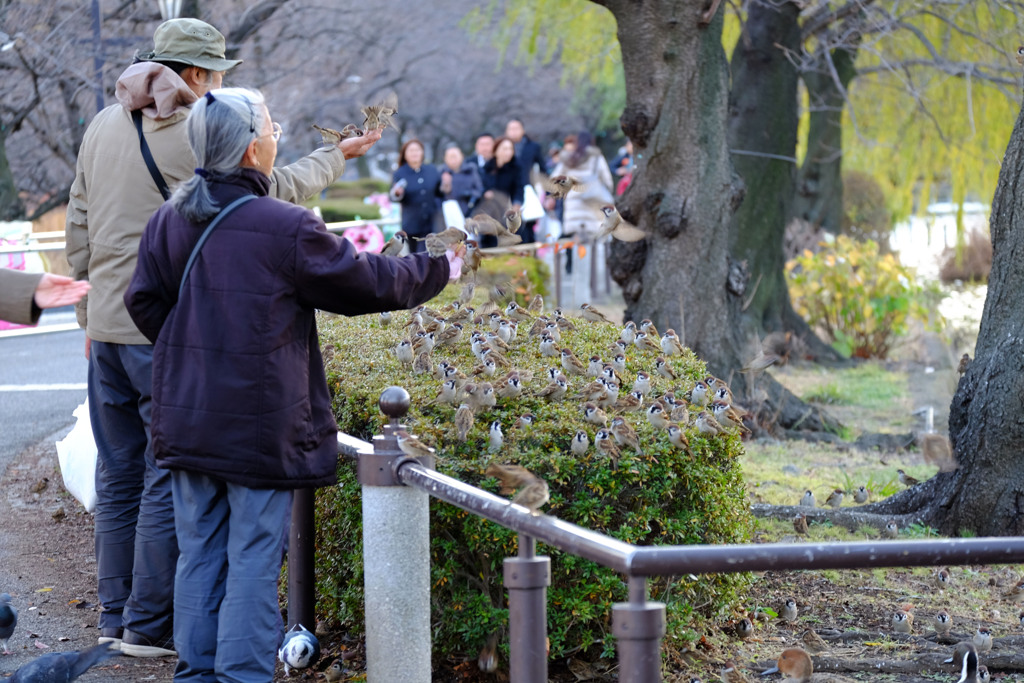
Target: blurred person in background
529,156
503,186
622,167
483,151
417,186
460,180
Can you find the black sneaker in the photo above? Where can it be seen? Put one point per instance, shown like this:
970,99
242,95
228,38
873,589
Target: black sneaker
137,645
111,635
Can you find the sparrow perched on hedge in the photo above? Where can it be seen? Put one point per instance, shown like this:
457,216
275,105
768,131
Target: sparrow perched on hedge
648,328
533,495
630,403
495,438
699,395
618,363
662,367
628,333
642,383
606,446
464,420
808,500
580,443
556,390
906,479
670,343
677,438
625,435
613,224
707,424
594,415
727,416
657,417
524,421
588,312
645,342
571,364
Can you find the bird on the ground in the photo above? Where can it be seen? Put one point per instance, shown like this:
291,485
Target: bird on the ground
906,479
982,639
891,529
423,342
943,622
486,398
411,445
580,443
385,318
449,392
450,336
63,667
571,364
560,185
482,224
495,438
835,499
395,245
300,649
380,115
800,524
731,674
625,435
902,621
615,225
423,365
487,660
8,620
808,500
403,352
860,496
943,579
744,628
618,363
983,674
657,417
488,368
517,312
812,642
548,347
512,388
335,672
1016,594
788,613
595,366
588,312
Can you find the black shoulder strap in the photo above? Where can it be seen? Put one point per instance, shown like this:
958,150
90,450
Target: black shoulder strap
161,184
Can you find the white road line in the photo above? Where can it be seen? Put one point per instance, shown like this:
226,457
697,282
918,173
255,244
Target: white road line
43,387
40,329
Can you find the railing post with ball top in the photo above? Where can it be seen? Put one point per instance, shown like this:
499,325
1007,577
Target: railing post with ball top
396,558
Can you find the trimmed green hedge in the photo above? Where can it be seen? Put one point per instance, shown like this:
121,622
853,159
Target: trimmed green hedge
661,497
335,210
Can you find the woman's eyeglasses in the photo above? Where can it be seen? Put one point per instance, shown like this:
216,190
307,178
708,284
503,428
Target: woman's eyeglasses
276,134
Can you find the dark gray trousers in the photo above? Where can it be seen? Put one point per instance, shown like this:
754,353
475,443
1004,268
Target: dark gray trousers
136,547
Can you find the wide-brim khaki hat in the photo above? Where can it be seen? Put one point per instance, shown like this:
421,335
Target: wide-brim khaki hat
189,41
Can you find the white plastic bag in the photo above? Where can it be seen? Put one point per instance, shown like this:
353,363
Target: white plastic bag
532,209
453,217
76,454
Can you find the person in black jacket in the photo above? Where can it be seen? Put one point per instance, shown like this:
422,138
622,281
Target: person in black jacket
528,154
460,179
503,185
418,187
241,412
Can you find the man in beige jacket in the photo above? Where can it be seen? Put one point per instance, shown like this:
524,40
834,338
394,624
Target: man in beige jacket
112,198
24,295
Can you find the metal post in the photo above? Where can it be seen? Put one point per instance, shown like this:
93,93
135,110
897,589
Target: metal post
396,559
556,268
639,626
301,561
527,578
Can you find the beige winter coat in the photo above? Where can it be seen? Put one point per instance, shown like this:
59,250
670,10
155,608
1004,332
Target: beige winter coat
581,216
113,194
17,292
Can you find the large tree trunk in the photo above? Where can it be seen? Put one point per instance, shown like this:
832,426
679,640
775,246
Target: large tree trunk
985,494
819,195
684,193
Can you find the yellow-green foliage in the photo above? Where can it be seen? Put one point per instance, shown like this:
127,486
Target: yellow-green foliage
862,299
661,497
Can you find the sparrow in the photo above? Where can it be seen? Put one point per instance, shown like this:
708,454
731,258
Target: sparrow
510,476
707,424
727,416
860,496
594,391
482,224
8,620
333,137
556,390
1020,54
385,318
943,579
472,258
440,242
744,628
334,672
486,399
487,660
560,185
517,312
606,446
449,392
891,529
642,383
983,674
412,446
299,650
902,622
533,491
835,499
594,415
731,674
552,329
524,421
628,333
423,342
800,525
788,613
580,443
630,403
464,420
680,413
644,342
795,666
465,294
422,365
662,367
536,304
588,312
548,348
965,359
670,344
906,479
1016,594
648,328
808,500
618,363
943,622
625,435
571,364
595,366
488,368
677,438
812,642
403,351
495,438
450,336
512,388
513,219
982,639
379,115
614,225
699,395
656,416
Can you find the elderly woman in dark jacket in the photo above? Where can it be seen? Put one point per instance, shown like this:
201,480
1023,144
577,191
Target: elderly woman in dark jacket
241,413
418,187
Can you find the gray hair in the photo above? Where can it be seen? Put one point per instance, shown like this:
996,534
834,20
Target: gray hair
220,127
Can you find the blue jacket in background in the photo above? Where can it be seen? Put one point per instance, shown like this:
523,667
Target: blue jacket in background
467,187
422,198
239,392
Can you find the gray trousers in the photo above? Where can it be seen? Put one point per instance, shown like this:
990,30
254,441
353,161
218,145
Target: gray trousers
227,623
136,549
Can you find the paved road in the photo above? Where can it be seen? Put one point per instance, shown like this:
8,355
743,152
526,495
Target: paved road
42,380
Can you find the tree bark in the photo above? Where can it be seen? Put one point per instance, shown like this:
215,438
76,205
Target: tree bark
11,207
